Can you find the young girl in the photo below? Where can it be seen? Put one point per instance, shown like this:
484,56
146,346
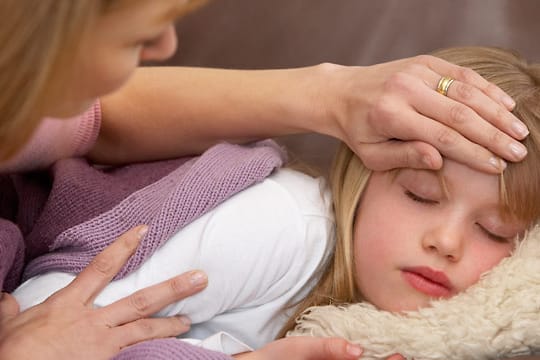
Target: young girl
404,237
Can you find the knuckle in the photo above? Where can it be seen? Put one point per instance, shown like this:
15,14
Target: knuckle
139,302
398,82
491,88
459,114
102,264
467,75
177,326
496,137
416,68
423,59
384,110
178,286
447,137
335,347
501,112
146,328
408,156
464,91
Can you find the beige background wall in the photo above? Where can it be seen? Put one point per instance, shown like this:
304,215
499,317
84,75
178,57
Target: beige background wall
287,33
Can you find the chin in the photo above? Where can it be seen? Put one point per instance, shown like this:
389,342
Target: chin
410,303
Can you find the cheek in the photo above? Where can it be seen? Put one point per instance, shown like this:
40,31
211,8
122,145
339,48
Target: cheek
106,77
375,244
482,256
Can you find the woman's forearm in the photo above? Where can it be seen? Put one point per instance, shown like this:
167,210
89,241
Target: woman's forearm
169,112
172,111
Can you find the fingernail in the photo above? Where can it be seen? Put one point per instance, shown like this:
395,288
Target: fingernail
518,149
198,278
497,163
184,320
520,129
142,231
508,102
354,350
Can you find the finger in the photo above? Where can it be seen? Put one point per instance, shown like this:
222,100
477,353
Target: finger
396,357
148,301
9,308
466,75
395,154
89,283
468,123
147,329
407,124
486,108
334,348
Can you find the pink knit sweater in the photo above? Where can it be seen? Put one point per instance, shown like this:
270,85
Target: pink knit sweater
56,139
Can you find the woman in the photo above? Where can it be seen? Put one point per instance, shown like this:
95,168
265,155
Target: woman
64,55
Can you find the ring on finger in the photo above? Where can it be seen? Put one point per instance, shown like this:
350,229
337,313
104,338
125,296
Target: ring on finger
444,85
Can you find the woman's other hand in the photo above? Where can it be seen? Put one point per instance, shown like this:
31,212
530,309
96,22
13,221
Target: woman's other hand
392,116
308,348
305,348
66,326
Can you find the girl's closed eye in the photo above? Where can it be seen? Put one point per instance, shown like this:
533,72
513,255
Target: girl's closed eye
411,195
493,236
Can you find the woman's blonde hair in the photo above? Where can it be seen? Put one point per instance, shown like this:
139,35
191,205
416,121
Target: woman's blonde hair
38,38
520,183
39,42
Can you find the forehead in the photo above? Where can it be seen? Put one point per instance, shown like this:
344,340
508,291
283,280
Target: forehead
456,179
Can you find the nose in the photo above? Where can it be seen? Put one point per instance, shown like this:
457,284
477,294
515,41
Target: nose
445,240
161,48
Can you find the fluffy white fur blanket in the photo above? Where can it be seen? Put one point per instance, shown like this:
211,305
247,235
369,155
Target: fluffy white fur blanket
497,317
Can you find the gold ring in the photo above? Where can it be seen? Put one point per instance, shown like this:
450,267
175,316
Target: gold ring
444,85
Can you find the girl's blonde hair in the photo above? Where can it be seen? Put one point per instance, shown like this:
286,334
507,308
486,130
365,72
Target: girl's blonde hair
520,183
39,43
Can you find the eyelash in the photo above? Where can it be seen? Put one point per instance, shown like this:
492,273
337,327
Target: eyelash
494,237
419,199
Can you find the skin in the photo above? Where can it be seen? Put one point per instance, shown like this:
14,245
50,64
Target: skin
462,235
395,99
367,107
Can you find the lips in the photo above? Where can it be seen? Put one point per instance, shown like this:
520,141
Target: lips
428,281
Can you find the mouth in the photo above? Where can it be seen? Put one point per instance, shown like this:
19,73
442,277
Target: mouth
428,281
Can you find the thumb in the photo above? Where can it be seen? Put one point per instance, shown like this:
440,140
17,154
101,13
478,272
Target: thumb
334,348
394,154
9,308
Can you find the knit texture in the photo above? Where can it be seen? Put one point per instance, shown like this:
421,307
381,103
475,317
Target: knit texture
56,139
74,210
165,206
11,254
167,349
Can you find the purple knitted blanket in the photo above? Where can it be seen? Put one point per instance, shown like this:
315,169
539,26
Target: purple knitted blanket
63,218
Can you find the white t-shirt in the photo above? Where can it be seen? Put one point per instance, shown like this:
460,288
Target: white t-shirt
261,250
